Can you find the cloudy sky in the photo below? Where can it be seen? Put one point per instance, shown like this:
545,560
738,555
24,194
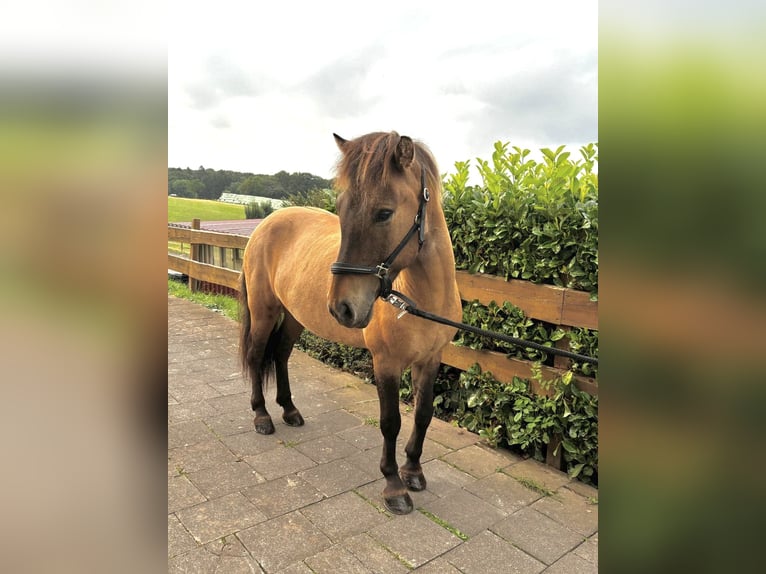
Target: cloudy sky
261,86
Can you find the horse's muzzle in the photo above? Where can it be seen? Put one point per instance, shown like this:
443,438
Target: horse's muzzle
348,315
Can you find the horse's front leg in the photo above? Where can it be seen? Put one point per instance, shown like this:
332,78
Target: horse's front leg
423,376
395,495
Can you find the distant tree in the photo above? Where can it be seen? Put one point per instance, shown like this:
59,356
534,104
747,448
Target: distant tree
258,210
321,198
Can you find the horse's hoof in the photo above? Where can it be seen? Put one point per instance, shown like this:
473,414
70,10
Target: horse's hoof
263,425
294,419
415,482
400,504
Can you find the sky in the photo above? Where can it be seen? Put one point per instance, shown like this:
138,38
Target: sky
262,86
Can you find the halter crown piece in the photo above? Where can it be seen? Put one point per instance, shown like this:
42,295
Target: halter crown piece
381,270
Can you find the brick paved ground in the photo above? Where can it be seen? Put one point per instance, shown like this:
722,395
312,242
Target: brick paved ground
307,499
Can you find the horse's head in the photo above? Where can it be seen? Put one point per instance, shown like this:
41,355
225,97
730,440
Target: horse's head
379,179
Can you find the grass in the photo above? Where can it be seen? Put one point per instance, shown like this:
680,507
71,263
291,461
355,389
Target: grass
221,303
534,485
443,524
184,209
371,421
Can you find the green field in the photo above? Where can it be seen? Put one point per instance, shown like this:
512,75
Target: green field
183,209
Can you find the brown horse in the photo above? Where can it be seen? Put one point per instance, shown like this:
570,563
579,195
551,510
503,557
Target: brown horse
287,285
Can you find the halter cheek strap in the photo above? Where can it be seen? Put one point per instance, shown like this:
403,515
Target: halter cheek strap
381,271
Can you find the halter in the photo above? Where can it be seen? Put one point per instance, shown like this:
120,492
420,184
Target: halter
381,271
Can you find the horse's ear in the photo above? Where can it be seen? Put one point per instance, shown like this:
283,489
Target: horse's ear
405,152
340,142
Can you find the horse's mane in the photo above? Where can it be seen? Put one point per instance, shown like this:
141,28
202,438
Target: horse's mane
367,162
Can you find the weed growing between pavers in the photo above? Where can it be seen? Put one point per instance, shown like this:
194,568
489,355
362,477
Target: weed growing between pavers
446,525
534,485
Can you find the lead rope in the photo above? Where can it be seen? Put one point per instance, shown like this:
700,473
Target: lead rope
406,305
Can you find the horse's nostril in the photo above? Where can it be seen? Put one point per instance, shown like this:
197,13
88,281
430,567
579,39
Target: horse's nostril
344,313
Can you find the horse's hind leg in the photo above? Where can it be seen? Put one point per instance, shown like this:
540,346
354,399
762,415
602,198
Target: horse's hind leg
289,332
423,376
258,330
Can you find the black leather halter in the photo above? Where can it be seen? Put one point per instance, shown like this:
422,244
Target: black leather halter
381,271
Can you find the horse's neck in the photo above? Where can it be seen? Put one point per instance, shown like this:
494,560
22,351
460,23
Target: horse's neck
433,272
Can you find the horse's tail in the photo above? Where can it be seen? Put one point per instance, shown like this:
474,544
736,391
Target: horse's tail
266,367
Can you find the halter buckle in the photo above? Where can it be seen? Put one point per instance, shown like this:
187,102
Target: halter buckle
381,271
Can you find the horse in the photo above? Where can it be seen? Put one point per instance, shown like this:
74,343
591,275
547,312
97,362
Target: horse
306,268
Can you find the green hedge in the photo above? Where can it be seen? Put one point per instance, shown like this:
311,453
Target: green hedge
528,220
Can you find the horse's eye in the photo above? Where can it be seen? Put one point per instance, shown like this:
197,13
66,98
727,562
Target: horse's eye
383,215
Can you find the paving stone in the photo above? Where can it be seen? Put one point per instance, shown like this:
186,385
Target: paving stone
438,566
464,511
583,489
540,473
572,564
326,449
201,455
477,460
283,541
225,478
374,556
251,443
230,403
279,462
334,560
313,404
231,423
415,538
282,495
353,393
363,437
238,565
188,433
570,509
450,436
336,477
219,517
503,492
197,561
189,411
488,552
365,409
228,387
297,568
442,478
317,426
343,516
537,535
588,550
192,393
179,540
182,493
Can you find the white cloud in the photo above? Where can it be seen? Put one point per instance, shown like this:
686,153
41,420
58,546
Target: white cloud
261,86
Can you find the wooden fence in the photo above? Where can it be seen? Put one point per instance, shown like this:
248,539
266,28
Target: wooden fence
556,305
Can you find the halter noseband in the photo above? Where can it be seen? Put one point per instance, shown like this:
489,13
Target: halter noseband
381,271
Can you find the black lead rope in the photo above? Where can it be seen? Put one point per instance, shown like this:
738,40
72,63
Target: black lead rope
408,306
381,271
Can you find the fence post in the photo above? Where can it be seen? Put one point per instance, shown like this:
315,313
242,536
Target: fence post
194,253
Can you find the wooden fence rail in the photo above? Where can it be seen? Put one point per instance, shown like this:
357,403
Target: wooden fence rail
556,305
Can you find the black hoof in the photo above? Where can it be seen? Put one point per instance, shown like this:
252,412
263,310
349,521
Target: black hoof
401,504
414,482
293,419
263,425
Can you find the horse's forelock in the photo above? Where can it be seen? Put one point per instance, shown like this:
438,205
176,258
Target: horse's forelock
367,162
